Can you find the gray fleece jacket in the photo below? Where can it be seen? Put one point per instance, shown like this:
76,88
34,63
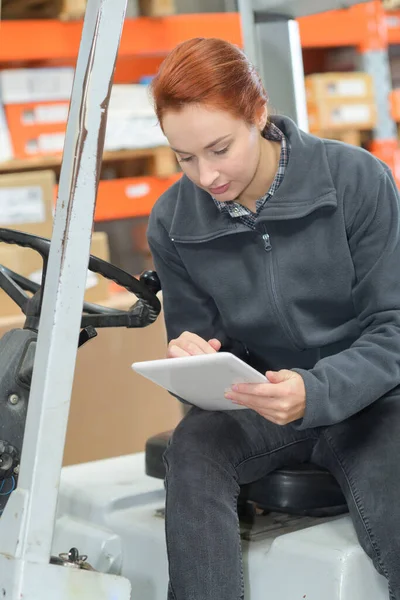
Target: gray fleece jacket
324,301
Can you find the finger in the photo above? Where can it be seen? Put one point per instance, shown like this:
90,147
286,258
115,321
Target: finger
265,390
194,344
175,351
278,417
194,350
251,401
279,376
216,344
273,405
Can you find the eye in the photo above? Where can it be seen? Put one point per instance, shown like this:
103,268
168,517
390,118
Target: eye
223,151
185,159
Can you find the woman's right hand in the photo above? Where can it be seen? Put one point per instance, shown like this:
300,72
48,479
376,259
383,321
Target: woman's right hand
190,344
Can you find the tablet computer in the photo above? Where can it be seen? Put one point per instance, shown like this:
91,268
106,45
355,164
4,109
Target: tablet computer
201,380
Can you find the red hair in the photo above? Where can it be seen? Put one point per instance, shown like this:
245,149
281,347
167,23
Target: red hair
212,72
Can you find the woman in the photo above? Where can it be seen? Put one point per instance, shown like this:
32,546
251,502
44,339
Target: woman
285,249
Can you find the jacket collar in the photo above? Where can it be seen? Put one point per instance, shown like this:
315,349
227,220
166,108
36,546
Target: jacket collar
306,186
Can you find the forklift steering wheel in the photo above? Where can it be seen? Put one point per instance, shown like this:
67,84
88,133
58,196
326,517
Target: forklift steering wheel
143,313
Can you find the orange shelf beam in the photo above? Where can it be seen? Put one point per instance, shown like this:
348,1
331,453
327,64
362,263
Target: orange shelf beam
362,25
366,26
142,37
128,197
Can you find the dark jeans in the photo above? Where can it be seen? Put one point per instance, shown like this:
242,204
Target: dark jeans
212,453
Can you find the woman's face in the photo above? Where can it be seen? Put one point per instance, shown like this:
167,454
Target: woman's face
217,151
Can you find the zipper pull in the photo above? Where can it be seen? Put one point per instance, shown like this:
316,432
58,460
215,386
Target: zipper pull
267,242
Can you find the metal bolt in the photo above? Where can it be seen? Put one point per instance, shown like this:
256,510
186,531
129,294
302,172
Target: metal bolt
16,470
13,399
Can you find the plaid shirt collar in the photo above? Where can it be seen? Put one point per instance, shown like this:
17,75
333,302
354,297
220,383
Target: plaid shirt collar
235,209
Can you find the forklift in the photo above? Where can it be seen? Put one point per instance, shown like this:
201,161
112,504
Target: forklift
297,537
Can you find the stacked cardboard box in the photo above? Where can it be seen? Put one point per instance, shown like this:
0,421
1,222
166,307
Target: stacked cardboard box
131,121
6,151
113,409
26,204
36,103
339,102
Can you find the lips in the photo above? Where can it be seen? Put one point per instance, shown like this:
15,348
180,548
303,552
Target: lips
220,189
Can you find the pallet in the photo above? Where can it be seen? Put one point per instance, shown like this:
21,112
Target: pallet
160,162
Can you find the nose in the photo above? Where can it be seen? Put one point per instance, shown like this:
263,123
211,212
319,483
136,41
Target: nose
207,174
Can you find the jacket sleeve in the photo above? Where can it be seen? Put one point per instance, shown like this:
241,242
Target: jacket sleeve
186,307
343,384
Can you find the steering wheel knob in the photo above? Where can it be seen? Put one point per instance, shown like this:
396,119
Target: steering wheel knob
151,280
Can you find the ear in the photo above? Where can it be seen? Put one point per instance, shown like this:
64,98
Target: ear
262,119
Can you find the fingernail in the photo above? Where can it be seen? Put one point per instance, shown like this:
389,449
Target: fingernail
227,395
235,388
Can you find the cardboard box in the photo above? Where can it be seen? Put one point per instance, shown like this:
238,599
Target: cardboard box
97,287
18,86
24,262
26,202
132,122
73,9
29,263
338,86
350,136
113,409
391,4
342,114
132,99
6,151
37,128
114,412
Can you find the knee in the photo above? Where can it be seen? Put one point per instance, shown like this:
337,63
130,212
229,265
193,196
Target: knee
200,436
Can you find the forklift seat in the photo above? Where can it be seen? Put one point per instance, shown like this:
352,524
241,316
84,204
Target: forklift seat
302,489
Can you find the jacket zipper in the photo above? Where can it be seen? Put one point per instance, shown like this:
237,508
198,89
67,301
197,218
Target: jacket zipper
281,316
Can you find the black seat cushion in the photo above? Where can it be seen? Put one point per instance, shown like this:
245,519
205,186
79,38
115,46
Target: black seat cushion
302,489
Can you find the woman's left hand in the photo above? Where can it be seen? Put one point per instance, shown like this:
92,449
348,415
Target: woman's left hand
281,401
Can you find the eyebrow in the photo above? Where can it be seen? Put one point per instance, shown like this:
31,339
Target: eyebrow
214,143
